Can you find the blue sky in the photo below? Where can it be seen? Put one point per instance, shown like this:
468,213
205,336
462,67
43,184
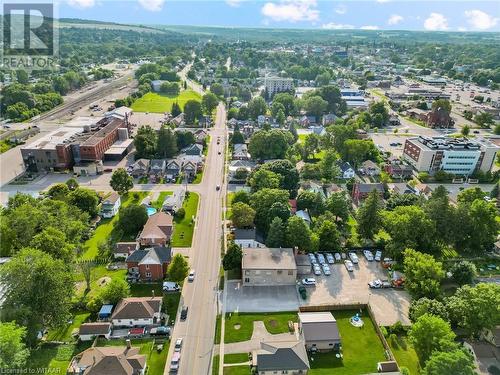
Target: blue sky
373,14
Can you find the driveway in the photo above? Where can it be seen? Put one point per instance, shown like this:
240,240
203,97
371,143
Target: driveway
260,298
343,287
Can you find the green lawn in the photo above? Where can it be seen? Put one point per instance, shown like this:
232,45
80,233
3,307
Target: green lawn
5,146
405,357
198,178
105,229
145,290
54,357
237,370
64,333
155,360
275,323
215,365
159,103
171,302
217,329
236,358
183,228
99,276
161,198
361,347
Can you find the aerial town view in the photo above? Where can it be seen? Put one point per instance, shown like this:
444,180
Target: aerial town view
250,187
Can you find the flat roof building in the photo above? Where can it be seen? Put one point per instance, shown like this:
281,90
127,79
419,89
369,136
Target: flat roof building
268,266
277,84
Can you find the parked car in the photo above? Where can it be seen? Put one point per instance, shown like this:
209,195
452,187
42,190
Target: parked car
136,332
354,258
348,264
174,363
388,262
178,345
159,331
312,258
191,275
368,255
343,256
309,281
184,313
326,270
217,188
378,284
338,258
317,270
321,259
378,255
169,286
302,292
329,258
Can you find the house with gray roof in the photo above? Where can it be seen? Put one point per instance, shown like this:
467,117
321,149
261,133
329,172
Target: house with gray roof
281,357
139,168
265,266
137,312
319,331
89,331
149,264
157,168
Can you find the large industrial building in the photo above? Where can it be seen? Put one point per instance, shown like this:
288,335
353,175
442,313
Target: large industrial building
459,156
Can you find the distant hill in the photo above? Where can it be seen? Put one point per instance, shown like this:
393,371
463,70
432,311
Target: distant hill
91,24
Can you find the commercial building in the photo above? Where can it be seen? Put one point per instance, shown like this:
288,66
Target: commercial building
277,84
353,98
265,267
459,156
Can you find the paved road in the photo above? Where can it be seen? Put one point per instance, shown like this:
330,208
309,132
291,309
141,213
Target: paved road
201,295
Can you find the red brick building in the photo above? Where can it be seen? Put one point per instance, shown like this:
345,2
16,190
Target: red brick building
149,264
360,191
94,147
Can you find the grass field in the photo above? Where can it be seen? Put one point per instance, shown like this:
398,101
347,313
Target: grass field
99,276
275,323
54,358
236,358
215,365
405,355
184,228
153,102
237,370
105,229
64,333
161,198
217,329
361,347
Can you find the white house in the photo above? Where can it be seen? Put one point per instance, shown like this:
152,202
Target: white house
346,171
89,331
137,312
110,206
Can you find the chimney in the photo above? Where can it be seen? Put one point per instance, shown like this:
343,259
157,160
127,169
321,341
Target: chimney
129,346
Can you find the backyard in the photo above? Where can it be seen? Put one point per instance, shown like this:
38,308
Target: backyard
159,103
239,327
54,357
361,347
237,370
405,354
65,332
183,228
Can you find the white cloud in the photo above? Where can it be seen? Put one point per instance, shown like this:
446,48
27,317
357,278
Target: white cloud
336,26
234,3
81,4
291,10
341,9
382,1
436,21
462,28
480,20
152,5
369,27
395,19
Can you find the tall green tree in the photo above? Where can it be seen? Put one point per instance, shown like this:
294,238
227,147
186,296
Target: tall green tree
442,215
298,234
261,201
192,111
145,142
85,199
232,258
121,181
58,191
457,362
329,236
463,272
209,102
166,143
262,178
339,205
176,109
424,305
53,241
13,351
113,292
132,219
276,234
328,166
256,107
369,215
178,268
242,215
423,274
312,202
288,172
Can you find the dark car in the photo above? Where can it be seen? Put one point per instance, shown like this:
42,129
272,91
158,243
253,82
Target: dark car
184,313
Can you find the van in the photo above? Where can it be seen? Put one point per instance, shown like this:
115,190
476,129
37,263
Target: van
174,363
169,286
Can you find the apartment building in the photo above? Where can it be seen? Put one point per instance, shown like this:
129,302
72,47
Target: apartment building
459,156
275,85
268,266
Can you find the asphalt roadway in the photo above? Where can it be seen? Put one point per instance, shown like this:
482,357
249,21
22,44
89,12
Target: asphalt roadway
201,295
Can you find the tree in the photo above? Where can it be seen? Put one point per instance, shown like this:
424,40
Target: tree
281,118
463,272
288,102
178,268
369,215
241,196
484,119
170,88
465,130
121,181
276,234
315,106
232,258
331,94
431,333
310,171
396,200
184,139
176,109
339,205
355,151
166,143
475,308
277,107
262,200
263,178
456,362
132,219
86,268
442,214
38,288
328,166
468,196
192,110
269,144
85,199
72,184
288,172
237,137
217,89
281,210
298,234
209,102
329,236
256,107
22,76
424,305
443,104
58,191
311,144
114,291
379,110
13,352
242,215
53,241
423,274
145,142
312,202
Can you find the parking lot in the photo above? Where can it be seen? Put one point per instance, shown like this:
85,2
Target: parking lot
343,287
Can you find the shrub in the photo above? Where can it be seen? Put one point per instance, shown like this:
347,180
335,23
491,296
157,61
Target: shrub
180,213
404,371
393,339
384,332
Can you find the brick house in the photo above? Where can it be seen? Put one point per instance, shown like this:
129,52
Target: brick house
360,191
157,231
149,264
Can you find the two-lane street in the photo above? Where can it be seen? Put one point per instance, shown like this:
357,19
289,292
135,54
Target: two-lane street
201,295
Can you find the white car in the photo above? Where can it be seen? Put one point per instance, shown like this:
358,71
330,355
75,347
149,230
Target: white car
343,256
354,258
378,255
317,270
191,275
368,255
326,270
312,258
178,344
378,284
348,264
309,281
338,258
321,259
329,258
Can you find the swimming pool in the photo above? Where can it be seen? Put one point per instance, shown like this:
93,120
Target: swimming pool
151,211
